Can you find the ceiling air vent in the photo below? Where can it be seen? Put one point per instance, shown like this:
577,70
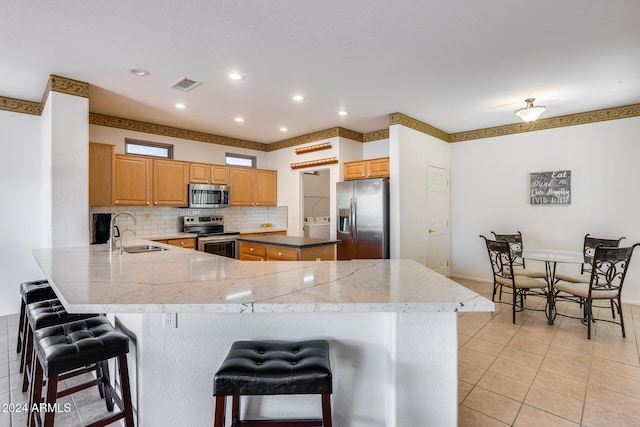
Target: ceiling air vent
185,84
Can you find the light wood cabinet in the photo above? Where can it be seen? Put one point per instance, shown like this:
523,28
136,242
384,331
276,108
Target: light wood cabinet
187,243
133,180
261,252
170,180
372,168
252,251
219,175
101,173
253,187
203,173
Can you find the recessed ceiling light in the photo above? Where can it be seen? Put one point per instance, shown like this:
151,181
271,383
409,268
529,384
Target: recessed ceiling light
283,129
139,71
342,113
298,97
181,106
239,119
236,76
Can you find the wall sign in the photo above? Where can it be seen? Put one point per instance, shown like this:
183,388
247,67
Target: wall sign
550,188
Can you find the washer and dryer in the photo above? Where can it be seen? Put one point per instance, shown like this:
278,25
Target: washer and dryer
317,227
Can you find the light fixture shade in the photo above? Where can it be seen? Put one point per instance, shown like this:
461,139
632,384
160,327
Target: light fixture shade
530,112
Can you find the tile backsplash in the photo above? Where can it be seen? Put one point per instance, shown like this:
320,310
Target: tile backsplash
151,221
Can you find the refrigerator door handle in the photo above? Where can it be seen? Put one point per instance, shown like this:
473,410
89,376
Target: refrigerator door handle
354,214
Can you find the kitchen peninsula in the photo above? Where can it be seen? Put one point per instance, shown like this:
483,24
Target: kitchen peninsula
286,248
391,324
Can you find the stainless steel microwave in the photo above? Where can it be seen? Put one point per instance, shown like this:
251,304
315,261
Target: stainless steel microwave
208,196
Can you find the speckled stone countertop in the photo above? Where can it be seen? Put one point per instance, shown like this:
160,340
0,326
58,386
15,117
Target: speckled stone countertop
93,279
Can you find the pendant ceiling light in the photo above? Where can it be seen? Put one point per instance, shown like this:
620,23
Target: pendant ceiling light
530,112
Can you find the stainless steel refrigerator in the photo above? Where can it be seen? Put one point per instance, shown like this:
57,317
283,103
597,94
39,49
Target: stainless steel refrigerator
363,218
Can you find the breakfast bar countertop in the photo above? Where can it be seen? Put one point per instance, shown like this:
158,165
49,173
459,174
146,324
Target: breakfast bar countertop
93,279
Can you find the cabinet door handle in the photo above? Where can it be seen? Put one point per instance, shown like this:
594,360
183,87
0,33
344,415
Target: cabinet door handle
279,253
182,243
250,249
147,202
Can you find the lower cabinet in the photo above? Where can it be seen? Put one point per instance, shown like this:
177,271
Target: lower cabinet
260,252
188,243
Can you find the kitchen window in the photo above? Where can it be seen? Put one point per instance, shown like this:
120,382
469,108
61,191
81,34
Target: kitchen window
232,159
145,148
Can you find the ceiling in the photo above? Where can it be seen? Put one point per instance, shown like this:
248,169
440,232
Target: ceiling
457,65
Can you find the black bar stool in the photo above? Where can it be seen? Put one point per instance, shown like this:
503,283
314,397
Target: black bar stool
272,368
63,350
42,314
37,290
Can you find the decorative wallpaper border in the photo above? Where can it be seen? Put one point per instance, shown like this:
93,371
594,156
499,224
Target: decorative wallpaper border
20,106
315,136
156,129
606,114
410,122
78,88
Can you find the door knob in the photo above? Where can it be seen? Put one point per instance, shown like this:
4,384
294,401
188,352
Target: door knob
431,231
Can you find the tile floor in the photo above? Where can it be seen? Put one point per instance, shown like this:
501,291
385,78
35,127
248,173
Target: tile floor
527,374
85,406
534,374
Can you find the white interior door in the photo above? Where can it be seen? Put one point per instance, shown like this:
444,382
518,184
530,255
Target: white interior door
438,219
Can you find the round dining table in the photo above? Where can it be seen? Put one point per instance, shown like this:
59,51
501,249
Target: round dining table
551,257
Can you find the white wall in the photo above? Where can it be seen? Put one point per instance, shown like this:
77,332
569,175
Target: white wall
187,150
290,180
490,190
69,133
20,174
375,149
411,152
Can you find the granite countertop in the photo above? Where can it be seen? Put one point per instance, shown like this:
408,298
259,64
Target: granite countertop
93,279
288,241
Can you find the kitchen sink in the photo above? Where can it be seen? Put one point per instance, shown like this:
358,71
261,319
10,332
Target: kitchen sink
139,249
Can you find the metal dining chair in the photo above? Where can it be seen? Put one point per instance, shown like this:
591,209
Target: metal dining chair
588,249
502,267
609,269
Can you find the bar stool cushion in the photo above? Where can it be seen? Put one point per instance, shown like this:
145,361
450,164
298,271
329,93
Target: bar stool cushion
65,347
37,290
270,368
51,312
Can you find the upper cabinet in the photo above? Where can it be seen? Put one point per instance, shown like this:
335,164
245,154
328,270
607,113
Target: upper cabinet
101,173
143,181
203,173
372,168
170,180
133,180
252,187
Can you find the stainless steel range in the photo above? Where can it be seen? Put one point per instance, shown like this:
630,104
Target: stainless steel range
211,235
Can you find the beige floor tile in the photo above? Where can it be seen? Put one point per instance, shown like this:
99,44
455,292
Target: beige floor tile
613,401
503,385
595,416
469,373
569,340
467,417
513,370
462,340
525,344
558,353
494,337
618,351
554,403
463,390
565,368
612,381
492,404
475,358
550,382
534,417
530,360
484,346
620,369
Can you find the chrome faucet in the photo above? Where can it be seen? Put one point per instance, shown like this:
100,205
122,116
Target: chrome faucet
122,239
112,227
